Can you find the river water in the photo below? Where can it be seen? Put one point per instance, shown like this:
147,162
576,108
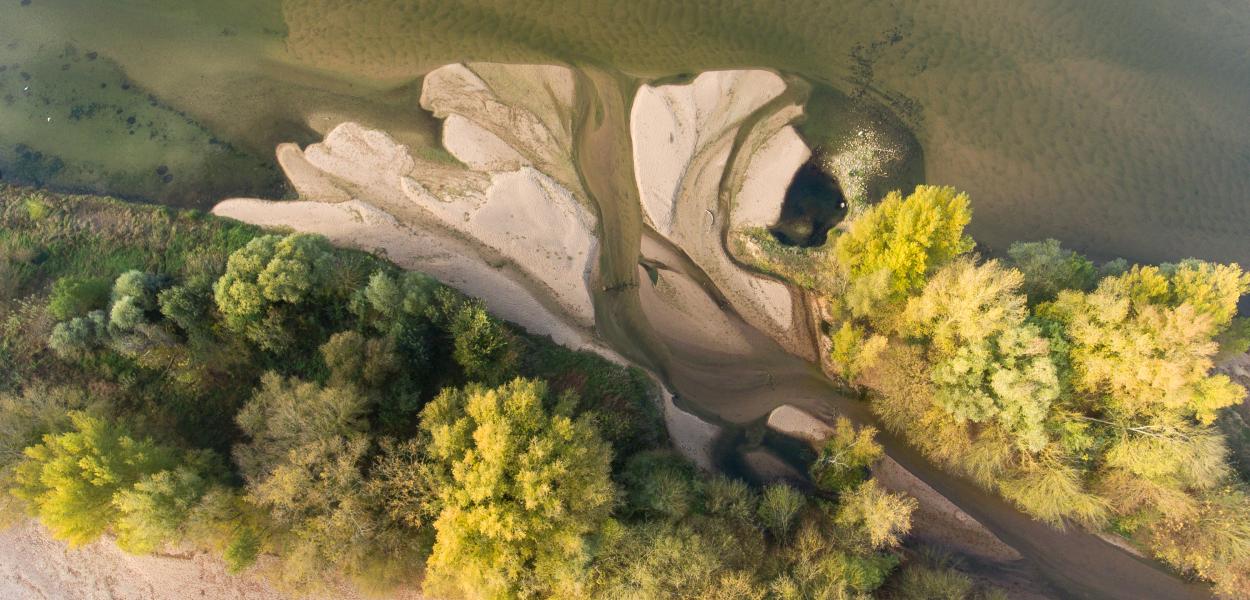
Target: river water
1120,126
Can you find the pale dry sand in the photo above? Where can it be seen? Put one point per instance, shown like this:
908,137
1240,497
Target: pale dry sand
936,520
478,148
797,423
33,566
682,139
694,438
529,108
758,201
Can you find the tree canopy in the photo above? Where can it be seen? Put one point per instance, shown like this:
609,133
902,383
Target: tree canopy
522,485
890,250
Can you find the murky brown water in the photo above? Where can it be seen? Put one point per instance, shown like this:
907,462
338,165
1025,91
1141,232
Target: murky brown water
1120,127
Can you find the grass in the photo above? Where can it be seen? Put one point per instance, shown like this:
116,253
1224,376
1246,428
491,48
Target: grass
802,266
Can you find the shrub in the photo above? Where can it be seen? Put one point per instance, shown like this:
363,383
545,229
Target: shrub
881,517
1048,269
79,336
76,297
778,508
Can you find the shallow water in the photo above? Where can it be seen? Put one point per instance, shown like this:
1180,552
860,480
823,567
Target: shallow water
1120,127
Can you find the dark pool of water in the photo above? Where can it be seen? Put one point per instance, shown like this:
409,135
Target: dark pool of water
813,205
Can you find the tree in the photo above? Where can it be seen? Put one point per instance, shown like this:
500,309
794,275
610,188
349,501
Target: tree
1215,543
729,499
778,508
70,480
845,457
305,464
988,362
24,419
894,246
285,415
483,346
187,306
266,279
659,484
853,350
662,559
153,511
355,360
1052,490
821,562
1048,268
1142,341
520,489
140,287
879,516
332,522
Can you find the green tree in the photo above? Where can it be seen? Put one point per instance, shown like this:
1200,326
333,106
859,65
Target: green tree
521,488
845,457
483,346
187,306
659,484
778,508
153,511
140,287
989,364
1048,268
890,250
70,480
267,279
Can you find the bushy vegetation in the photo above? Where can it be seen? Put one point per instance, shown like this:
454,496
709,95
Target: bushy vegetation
1082,393
175,379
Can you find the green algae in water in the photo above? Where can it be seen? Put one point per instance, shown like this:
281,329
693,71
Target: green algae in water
73,120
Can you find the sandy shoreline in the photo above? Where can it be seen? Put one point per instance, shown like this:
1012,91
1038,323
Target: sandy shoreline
33,566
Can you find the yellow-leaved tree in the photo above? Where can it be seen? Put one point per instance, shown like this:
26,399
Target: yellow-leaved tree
891,249
520,484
